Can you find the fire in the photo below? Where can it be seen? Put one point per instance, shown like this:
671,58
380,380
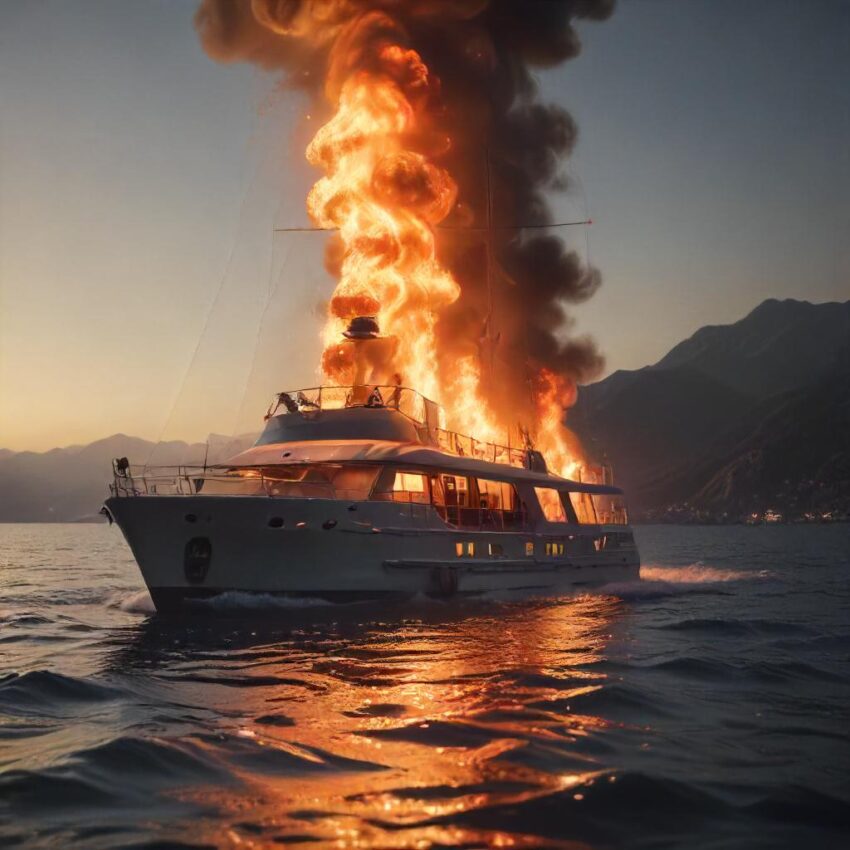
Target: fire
560,446
384,193
384,199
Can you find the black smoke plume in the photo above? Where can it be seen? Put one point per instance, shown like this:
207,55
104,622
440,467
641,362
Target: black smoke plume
506,151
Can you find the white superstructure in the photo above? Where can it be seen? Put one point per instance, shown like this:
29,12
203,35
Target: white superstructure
359,492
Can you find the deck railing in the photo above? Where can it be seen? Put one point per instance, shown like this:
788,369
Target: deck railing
250,481
200,480
428,416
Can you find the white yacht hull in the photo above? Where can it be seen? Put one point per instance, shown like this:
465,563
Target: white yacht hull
195,547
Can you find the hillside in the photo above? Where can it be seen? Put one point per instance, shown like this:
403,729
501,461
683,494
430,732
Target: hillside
70,484
735,420
781,345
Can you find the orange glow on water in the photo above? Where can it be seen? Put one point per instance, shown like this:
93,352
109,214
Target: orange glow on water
394,726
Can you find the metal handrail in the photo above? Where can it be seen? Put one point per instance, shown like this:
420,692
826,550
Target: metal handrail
304,401
308,399
184,481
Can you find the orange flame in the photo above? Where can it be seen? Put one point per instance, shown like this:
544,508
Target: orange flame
385,196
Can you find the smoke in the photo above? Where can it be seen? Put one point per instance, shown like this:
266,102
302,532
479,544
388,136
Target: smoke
486,151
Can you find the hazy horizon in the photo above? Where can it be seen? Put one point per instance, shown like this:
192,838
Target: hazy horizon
140,183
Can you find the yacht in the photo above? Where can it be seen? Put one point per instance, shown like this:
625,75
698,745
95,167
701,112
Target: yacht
360,492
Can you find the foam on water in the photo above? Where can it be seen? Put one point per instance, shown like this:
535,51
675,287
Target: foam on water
139,602
697,573
658,580
238,600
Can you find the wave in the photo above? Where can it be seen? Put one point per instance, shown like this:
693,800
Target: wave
737,627
436,733
28,790
728,668
677,809
616,701
44,689
24,619
275,757
150,760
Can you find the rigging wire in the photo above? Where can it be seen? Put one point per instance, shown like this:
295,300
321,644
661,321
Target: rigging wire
243,203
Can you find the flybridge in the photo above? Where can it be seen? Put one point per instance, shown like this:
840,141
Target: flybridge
380,412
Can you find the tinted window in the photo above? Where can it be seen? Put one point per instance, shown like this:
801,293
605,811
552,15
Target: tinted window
551,504
583,506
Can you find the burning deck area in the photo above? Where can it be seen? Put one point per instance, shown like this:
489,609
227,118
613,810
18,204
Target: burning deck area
436,157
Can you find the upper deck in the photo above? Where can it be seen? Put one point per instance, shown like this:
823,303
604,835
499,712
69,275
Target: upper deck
374,443
391,414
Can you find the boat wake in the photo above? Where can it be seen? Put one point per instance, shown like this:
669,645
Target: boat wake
138,602
236,600
657,580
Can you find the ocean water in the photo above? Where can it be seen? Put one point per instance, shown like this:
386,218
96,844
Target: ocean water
706,706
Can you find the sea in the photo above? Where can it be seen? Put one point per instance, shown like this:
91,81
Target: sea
705,706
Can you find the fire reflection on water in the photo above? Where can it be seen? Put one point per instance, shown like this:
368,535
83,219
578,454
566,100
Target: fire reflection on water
388,732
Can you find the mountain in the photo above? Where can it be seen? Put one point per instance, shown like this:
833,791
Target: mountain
797,459
780,345
70,484
736,419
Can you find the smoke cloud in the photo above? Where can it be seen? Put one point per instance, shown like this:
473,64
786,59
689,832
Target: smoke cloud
467,68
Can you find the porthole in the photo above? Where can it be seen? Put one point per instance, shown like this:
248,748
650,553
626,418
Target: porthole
190,518
276,522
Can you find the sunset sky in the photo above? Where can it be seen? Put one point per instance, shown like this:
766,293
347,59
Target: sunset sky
142,289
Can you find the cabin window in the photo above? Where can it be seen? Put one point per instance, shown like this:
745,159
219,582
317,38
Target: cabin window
455,491
410,487
499,505
397,486
529,548
495,549
477,502
305,481
583,506
470,549
459,549
451,494
354,483
551,504
610,509
554,548
497,495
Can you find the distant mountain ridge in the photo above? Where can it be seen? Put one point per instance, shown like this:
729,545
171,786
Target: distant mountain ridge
735,419
69,484
780,345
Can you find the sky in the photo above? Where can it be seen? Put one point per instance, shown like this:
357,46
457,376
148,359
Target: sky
143,289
